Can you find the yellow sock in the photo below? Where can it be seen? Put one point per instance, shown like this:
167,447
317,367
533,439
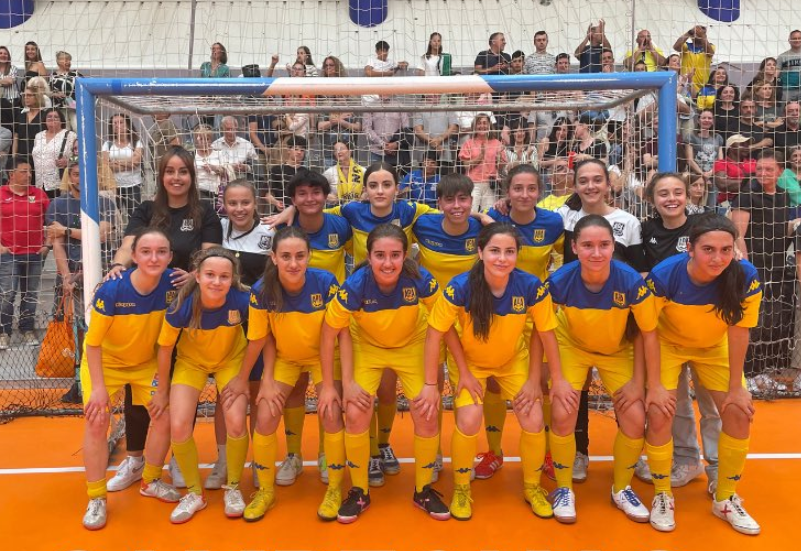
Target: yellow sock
265,449
151,473
626,453
334,446
320,436
425,456
731,462
236,451
186,455
293,428
374,435
386,417
660,460
532,455
563,453
357,449
96,489
494,419
546,416
463,450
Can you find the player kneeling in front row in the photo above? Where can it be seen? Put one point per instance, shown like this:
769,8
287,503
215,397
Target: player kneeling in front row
707,302
121,349
490,305
207,323
596,296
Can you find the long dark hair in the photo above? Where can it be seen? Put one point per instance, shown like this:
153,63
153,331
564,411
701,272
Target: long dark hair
131,134
273,292
391,231
429,53
191,289
731,283
161,207
574,201
480,304
379,166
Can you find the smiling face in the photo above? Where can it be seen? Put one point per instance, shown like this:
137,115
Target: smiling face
456,208
386,260
177,179
499,256
592,184
5,55
214,277
670,198
240,206
482,126
706,120
728,93
31,52
309,200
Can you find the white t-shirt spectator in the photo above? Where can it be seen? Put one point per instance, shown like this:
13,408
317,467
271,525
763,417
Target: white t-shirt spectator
128,178
207,180
45,154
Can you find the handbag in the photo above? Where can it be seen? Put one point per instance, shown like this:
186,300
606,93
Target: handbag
57,353
61,153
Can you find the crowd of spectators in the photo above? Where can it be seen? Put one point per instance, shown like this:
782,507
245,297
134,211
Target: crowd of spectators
722,131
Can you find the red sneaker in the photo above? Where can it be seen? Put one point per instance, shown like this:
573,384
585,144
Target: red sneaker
489,465
547,467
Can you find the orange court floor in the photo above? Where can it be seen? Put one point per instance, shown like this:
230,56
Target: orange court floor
42,500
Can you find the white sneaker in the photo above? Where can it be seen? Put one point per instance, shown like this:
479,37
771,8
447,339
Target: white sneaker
683,473
95,516
437,468
663,516
5,342
290,470
234,502
29,339
643,471
563,501
218,476
712,488
580,466
129,471
322,465
190,504
628,502
161,491
731,510
176,475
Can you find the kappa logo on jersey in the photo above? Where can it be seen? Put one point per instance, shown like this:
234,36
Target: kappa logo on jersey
653,241
170,296
266,242
333,240
617,229
651,285
641,292
234,317
470,245
754,286
539,236
187,224
518,304
681,245
317,300
541,291
409,294
332,290
343,295
100,304
253,299
432,285
449,291
619,298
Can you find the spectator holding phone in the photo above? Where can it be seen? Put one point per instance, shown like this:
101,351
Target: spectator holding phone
592,47
646,53
696,56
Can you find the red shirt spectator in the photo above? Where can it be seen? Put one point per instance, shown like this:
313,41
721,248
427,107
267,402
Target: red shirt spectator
22,218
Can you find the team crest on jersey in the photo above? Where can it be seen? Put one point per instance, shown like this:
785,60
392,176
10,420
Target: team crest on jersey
518,304
333,240
234,318
470,245
617,229
681,245
539,236
266,243
317,300
409,294
187,224
170,296
619,298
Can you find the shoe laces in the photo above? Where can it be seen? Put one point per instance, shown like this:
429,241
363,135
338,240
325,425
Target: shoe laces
425,494
562,497
462,495
333,496
662,501
737,503
488,457
631,497
387,454
260,496
188,501
233,495
375,464
96,506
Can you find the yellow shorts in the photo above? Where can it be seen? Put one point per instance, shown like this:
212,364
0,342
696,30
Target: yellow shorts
369,363
510,377
196,376
143,379
289,372
711,365
615,369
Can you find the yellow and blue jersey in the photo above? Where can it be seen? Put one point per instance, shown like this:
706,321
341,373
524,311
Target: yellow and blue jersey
445,256
525,297
329,245
546,233
687,312
219,340
382,320
126,324
362,221
297,326
596,322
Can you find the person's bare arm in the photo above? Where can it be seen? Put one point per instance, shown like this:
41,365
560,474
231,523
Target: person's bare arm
740,219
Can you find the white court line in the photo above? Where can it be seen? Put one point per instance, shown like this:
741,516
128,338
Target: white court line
594,458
